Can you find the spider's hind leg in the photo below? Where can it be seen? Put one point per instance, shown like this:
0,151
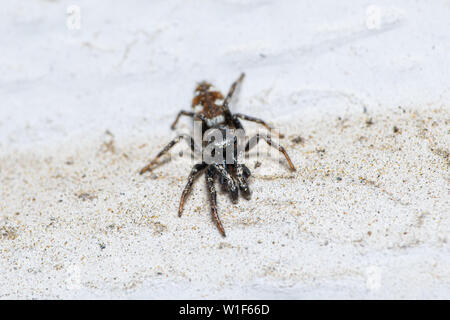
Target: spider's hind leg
232,90
210,174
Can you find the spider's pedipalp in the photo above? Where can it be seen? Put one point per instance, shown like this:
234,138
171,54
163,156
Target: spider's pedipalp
247,173
241,177
226,179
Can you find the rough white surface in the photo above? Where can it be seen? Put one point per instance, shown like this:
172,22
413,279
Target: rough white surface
365,216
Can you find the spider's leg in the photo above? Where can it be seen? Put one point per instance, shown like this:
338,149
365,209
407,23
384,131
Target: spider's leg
189,114
181,113
167,148
226,179
232,90
253,119
210,174
255,139
196,170
241,177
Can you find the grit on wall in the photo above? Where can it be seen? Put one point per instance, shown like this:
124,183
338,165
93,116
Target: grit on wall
359,89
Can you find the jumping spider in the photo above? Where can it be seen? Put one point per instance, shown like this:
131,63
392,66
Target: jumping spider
211,108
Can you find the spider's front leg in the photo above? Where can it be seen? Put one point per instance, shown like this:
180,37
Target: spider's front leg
255,139
210,175
196,170
188,138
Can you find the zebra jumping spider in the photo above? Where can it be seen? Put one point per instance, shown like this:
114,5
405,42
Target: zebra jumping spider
211,108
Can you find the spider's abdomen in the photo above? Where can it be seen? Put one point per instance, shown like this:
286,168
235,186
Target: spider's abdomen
208,102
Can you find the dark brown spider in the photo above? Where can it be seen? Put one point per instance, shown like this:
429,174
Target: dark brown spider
211,108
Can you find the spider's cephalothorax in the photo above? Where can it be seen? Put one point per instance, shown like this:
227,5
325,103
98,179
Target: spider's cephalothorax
211,108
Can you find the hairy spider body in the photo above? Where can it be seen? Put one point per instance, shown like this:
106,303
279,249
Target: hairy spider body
211,108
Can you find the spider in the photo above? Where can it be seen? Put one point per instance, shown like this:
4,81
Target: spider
211,108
